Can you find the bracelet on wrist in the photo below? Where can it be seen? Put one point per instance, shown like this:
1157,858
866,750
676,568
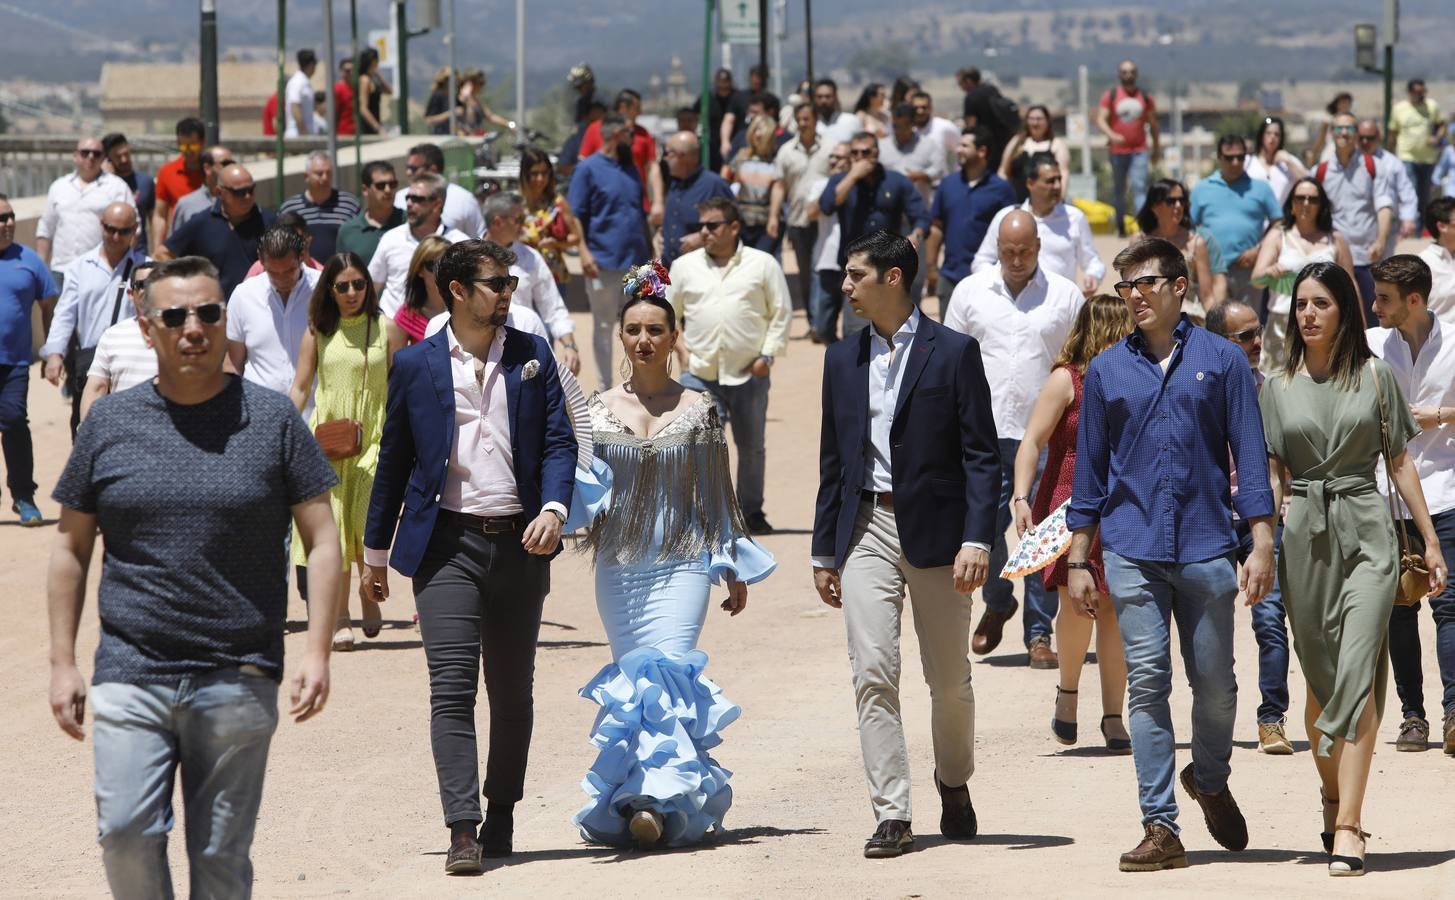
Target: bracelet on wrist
1025,500
1084,566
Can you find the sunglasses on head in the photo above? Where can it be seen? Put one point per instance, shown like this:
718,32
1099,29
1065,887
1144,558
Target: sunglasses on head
349,285
89,154
119,230
176,317
498,284
385,185
241,191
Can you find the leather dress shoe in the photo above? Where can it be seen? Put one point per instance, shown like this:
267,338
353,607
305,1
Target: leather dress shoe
1040,654
988,632
892,838
1220,811
957,813
464,855
495,835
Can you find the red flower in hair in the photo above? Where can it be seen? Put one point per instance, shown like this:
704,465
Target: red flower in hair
661,271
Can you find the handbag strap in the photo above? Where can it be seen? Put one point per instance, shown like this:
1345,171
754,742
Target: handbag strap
1394,502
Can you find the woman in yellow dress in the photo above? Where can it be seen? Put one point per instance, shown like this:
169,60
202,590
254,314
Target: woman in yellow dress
349,346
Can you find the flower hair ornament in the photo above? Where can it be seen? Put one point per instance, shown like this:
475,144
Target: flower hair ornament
646,280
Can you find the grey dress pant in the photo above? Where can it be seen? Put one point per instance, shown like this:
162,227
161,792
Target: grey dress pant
874,581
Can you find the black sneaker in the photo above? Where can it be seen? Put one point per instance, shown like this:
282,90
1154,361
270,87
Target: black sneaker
892,838
758,524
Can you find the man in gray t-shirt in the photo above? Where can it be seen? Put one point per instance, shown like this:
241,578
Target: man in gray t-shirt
193,480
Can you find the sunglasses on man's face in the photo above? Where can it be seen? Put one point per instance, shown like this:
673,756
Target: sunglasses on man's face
1368,138
7,218
498,284
710,226
1246,335
1232,157
417,198
1144,285
862,152
385,185
89,154
1342,129
246,191
176,317
351,285
189,146
119,230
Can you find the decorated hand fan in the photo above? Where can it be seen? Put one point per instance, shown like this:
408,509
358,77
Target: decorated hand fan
1041,546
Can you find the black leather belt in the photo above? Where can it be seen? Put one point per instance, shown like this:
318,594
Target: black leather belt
483,524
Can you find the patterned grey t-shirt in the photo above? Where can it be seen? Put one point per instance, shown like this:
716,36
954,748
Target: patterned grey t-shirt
193,506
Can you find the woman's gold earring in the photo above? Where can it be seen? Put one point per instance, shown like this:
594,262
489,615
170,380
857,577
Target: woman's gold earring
625,369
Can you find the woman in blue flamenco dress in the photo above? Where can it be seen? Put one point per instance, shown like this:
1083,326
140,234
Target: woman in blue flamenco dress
665,526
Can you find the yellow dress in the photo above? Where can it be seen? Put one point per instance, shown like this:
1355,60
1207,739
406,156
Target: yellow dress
341,393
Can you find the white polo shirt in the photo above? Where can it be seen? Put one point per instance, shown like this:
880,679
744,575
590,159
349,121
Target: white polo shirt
1020,337
390,263
270,329
1426,381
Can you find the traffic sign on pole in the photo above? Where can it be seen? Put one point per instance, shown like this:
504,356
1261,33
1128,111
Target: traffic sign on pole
741,23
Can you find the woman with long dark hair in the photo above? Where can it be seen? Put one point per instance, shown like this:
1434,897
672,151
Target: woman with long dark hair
349,346
1103,321
550,225
1322,416
871,110
371,90
1305,235
671,529
1164,215
1270,162
1035,137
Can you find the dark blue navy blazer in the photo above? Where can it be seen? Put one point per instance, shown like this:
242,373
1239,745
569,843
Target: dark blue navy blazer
419,432
944,455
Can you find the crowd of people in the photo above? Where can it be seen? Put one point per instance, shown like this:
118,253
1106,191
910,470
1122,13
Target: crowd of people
389,379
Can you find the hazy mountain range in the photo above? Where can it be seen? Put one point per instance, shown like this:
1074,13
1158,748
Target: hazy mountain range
628,40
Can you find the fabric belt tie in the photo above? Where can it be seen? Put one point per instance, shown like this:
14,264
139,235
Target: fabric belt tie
1324,496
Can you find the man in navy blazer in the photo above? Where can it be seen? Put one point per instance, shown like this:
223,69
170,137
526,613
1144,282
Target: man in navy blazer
478,453
909,481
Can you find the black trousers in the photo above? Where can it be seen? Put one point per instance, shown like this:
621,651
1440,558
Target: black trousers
479,598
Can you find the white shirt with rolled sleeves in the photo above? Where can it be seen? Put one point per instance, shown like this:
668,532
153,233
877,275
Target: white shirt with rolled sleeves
270,328
1428,380
299,92
480,475
1020,337
71,217
390,263
1442,289
1066,244
461,212
731,314
886,377
537,292
93,298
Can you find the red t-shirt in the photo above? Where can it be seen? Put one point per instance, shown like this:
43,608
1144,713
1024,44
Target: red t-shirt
174,182
1128,117
644,152
270,116
343,102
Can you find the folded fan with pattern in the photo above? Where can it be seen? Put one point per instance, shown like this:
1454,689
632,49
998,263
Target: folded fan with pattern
1041,546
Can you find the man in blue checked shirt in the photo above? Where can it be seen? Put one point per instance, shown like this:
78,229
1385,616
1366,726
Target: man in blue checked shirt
1160,412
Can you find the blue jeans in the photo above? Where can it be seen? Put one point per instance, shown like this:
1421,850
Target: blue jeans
1364,280
15,432
1128,167
1270,632
1040,604
1147,596
216,727
1420,175
1404,635
744,409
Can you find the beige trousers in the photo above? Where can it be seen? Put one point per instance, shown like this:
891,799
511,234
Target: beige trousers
874,579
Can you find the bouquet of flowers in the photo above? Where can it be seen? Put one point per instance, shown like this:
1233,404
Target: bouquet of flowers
646,280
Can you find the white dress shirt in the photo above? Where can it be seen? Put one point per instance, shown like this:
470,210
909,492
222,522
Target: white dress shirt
93,298
299,93
1442,288
1065,243
71,217
1426,381
946,134
886,377
537,291
461,212
390,263
732,313
271,327
1020,337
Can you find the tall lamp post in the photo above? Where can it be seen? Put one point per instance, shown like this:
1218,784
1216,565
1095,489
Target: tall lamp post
1365,39
704,103
207,44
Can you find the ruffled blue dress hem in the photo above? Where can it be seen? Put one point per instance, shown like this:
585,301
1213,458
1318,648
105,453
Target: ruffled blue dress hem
659,717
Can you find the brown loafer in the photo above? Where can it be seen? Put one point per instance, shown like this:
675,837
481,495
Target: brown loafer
464,855
989,631
1041,654
1414,735
1160,849
1449,727
1220,811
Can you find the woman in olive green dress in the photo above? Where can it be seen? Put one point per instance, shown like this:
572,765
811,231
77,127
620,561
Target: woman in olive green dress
1340,560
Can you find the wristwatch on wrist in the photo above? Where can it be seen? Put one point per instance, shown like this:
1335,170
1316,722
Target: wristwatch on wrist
560,515
568,345
1015,499
767,359
1083,566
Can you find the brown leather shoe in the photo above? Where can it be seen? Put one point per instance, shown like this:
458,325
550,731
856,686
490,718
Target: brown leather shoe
464,855
988,632
1042,656
1220,811
1449,727
1414,735
1160,849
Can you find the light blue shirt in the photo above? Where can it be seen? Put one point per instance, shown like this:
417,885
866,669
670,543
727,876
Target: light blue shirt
1236,213
93,298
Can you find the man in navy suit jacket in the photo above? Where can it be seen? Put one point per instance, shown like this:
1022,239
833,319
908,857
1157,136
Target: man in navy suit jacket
478,452
907,427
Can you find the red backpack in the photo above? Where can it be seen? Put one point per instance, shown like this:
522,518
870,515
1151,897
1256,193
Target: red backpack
1323,168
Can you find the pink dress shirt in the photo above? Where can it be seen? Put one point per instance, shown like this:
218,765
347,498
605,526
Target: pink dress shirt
480,477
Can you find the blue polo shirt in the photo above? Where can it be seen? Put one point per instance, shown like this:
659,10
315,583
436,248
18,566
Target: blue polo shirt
886,200
1234,213
963,212
607,197
1152,449
683,195
232,249
24,279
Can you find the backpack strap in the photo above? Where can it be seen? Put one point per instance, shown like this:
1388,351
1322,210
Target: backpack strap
1369,165
1320,171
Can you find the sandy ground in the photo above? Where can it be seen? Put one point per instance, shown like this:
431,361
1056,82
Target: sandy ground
350,805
